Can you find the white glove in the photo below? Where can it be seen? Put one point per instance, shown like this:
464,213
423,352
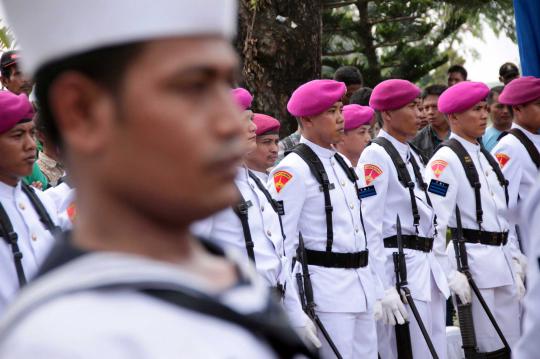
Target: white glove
377,310
308,333
393,308
519,277
459,285
522,262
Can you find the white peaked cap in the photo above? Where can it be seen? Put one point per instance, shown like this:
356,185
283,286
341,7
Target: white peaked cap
48,30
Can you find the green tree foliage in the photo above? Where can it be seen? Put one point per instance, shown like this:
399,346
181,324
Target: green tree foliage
405,39
5,37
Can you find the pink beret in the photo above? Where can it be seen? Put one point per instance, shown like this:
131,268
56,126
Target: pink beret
462,96
393,94
13,109
356,116
242,97
520,91
315,97
265,124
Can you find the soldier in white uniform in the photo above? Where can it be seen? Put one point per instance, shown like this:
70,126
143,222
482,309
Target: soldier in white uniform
518,153
385,194
357,121
482,207
262,159
344,286
27,217
151,146
253,227
527,346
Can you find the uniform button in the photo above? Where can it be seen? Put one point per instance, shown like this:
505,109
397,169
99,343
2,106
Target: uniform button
356,230
262,208
269,233
34,237
351,206
492,195
332,162
22,206
342,183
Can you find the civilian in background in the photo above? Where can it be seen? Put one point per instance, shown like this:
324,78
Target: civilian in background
352,78
456,73
508,72
501,118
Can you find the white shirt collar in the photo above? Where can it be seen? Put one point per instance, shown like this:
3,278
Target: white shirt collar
8,191
470,147
320,151
403,148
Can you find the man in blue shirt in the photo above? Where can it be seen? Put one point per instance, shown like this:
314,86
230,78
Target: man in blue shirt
501,118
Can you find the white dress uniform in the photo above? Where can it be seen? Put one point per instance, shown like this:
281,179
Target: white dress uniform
384,197
34,240
527,346
490,265
68,314
517,167
344,298
63,197
272,265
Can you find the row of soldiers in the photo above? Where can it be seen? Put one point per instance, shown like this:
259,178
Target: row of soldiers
353,246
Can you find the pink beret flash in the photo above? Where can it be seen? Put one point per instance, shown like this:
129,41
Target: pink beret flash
265,124
242,97
13,109
520,91
393,94
356,116
315,97
462,96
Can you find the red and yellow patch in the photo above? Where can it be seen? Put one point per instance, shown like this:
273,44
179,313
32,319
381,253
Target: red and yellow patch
438,167
502,158
280,179
371,172
72,212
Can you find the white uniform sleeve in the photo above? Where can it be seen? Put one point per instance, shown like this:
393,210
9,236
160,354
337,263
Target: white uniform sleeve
373,209
444,205
292,304
287,184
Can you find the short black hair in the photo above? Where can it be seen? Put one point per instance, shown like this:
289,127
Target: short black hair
460,69
350,75
105,66
508,69
361,97
491,95
434,90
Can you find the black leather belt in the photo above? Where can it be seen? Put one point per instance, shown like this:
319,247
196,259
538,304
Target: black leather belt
482,237
337,260
410,241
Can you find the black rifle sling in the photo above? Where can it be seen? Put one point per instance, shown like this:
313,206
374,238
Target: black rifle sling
403,175
351,174
241,210
6,230
317,169
43,215
423,186
528,144
470,172
277,206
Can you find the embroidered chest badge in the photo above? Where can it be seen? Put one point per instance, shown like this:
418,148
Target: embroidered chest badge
280,179
502,158
438,167
371,172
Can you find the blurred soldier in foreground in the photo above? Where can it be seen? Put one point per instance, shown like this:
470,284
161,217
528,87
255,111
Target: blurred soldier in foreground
151,146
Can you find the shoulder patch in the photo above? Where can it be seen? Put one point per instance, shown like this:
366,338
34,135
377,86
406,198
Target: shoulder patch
72,212
502,158
371,172
366,192
438,167
280,179
438,187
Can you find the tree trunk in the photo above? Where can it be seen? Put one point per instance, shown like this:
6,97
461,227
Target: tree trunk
280,45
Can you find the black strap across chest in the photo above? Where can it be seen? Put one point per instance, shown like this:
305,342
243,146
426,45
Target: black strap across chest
472,173
241,210
11,237
527,143
316,168
405,178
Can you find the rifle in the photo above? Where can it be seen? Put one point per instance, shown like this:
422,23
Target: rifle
465,317
403,336
306,294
